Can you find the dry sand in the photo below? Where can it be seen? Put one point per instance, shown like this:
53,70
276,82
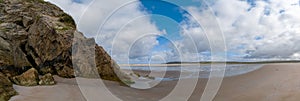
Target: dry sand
273,82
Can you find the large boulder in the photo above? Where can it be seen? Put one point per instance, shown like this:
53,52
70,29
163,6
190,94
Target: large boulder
31,78
92,61
83,58
28,78
6,88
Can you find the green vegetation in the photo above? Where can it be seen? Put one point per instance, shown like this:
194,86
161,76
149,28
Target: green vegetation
40,1
65,18
132,74
62,28
5,30
128,82
1,1
38,17
65,28
150,77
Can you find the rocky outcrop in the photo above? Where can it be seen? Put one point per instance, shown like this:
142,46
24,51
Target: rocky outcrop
34,33
90,60
37,34
28,78
47,79
31,78
6,89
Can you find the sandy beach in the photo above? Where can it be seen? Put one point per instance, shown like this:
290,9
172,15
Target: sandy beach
272,82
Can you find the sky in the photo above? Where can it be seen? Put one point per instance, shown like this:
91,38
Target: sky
155,31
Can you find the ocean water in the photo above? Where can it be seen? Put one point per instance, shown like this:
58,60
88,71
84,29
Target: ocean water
198,71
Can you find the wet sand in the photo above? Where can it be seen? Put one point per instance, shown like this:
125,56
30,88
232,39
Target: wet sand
276,82
272,82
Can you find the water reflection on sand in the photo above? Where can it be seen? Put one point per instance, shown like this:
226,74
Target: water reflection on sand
190,70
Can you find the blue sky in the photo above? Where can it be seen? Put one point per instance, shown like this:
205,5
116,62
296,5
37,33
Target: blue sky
177,14
253,29
166,16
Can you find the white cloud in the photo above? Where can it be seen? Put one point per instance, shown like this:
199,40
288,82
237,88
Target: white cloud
123,23
267,30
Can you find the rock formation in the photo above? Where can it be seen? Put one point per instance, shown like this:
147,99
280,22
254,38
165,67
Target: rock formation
6,89
28,78
47,79
37,34
31,78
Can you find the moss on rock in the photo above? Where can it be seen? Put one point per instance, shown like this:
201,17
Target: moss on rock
65,18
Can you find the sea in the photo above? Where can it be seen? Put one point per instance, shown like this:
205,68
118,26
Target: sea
197,71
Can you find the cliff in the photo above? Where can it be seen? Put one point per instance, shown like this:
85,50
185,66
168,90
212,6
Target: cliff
37,34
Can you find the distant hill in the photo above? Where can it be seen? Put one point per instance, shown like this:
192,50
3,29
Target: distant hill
237,62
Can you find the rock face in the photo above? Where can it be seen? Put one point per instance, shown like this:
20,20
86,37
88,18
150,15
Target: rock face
34,33
47,79
90,60
6,89
28,78
37,34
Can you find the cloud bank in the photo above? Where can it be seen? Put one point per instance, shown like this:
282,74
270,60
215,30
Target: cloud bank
257,29
253,29
120,26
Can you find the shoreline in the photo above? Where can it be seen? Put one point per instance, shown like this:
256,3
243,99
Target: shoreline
206,63
274,82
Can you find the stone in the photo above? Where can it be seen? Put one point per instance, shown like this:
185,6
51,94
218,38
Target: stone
84,57
6,88
47,79
91,61
27,21
28,78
